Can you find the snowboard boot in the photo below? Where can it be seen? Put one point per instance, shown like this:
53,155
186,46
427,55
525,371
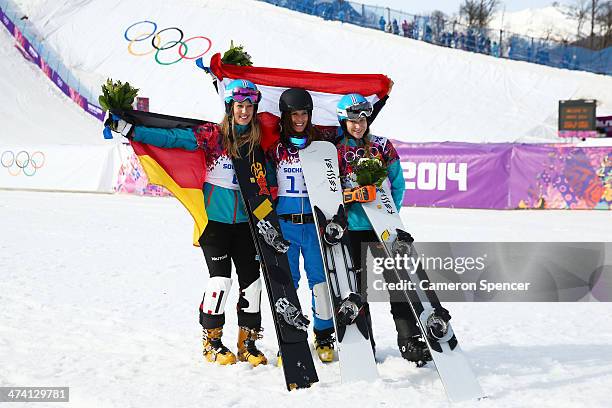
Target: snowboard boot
411,345
214,350
414,349
247,350
279,359
324,344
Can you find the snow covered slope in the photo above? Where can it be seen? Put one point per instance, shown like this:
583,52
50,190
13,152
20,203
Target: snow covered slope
33,110
123,331
440,94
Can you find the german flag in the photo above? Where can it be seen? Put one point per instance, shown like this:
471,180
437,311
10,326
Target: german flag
183,173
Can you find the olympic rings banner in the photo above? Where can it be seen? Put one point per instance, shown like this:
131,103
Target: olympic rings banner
506,176
53,167
32,55
139,45
22,162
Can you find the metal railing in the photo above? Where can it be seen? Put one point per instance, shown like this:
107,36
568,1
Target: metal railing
497,43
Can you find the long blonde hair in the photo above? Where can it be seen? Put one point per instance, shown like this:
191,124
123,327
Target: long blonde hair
228,129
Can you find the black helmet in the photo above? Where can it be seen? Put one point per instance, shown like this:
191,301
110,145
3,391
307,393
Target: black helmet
294,99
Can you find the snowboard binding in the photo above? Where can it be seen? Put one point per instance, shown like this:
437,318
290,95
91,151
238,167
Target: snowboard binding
291,314
349,309
272,237
437,324
333,233
403,243
334,230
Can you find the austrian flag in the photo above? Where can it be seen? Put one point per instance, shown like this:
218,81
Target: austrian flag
326,90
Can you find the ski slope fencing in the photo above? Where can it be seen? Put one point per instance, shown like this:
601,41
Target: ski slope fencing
497,43
38,53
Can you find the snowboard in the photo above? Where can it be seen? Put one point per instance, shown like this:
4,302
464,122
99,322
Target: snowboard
452,365
289,322
320,169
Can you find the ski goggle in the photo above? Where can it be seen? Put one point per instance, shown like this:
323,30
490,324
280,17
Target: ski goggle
243,94
355,112
299,142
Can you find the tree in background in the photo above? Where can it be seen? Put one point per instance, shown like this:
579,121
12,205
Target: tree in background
438,20
478,13
604,19
578,11
599,14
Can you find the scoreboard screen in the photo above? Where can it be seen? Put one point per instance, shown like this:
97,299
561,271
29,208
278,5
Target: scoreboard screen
577,115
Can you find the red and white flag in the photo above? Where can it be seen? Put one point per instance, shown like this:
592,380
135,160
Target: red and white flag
326,89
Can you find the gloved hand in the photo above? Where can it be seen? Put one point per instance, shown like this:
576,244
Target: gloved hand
116,124
362,194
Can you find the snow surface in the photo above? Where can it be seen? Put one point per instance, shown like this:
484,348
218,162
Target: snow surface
33,110
440,94
100,293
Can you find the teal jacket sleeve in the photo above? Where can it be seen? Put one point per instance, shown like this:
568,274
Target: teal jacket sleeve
167,138
398,183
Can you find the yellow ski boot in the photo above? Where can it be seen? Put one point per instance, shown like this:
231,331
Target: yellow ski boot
247,350
214,350
279,360
324,345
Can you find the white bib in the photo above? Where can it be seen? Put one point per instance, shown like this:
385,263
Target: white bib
291,180
223,174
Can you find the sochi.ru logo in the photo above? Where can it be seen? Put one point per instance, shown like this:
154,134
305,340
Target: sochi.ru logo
435,176
22,162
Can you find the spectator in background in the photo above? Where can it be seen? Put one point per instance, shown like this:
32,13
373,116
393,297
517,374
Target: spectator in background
461,42
406,28
495,49
487,46
389,28
395,27
470,44
428,33
381,23
415,29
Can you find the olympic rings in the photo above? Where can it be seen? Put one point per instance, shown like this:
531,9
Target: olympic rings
351,155
137,39
193,38
173,62
22,161
177,41
140,22
158,45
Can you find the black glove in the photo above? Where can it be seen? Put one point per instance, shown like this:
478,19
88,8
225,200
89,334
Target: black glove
116,124
442,313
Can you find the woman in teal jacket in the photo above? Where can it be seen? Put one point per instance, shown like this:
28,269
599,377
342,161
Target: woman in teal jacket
356,143
227,236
